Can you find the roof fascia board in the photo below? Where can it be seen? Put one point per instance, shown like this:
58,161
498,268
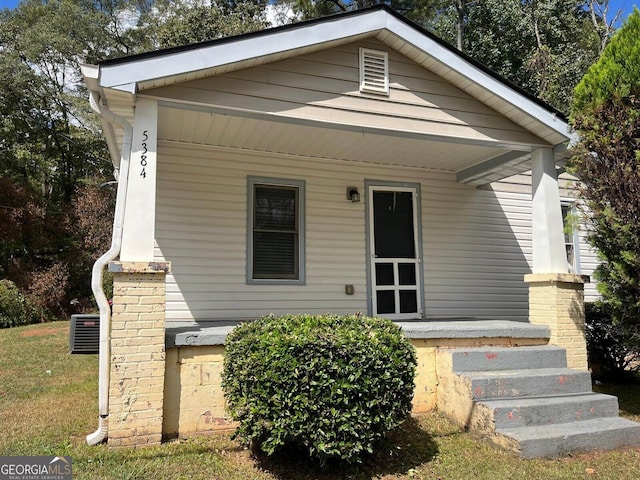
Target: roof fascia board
472,73
117,74
90,74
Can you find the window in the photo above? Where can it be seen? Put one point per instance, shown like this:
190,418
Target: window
275,231
374,71
571,237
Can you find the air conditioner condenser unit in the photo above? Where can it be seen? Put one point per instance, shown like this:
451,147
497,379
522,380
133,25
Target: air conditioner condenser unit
84,333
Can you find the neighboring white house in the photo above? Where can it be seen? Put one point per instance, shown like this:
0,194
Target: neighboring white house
353,163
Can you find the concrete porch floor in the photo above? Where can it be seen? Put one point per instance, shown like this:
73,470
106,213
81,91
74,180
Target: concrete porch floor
215,333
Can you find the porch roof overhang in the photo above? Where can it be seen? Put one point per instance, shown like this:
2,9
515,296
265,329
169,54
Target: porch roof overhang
475,161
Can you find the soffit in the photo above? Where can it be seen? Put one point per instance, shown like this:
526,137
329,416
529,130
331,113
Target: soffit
259,135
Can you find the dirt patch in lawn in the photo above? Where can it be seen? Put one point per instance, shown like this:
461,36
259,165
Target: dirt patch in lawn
40,332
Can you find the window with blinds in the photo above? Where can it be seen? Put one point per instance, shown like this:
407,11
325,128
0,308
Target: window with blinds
275,237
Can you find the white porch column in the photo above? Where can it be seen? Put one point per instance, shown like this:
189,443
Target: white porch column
556,298
139,219
549,254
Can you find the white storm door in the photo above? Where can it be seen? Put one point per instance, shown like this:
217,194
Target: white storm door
396,288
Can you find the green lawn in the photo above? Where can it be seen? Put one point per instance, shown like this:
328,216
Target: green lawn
48,403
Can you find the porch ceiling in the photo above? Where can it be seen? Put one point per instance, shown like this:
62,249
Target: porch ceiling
472,162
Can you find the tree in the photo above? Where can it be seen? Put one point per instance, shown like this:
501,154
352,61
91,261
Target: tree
604,25
51,147
543,46
49,140
47,133
420,11
606,113
183,22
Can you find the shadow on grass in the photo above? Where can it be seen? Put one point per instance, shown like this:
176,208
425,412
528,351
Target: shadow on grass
405,448
628,395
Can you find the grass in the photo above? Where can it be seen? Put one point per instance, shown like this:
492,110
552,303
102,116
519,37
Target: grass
48,403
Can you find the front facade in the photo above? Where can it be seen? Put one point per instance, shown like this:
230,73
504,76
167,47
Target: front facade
349,164
465,248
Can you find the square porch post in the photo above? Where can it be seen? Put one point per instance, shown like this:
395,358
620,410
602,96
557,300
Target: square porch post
556,297
137,363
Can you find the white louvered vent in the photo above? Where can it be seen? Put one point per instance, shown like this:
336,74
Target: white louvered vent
374,71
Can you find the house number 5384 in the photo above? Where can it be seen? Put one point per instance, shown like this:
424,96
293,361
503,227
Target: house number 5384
143,156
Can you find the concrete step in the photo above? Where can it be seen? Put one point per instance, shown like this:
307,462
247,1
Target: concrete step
534,382
537,411
554,440
526,400
507,358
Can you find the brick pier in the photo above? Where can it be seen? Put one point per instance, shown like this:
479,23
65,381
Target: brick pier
557,301
136,388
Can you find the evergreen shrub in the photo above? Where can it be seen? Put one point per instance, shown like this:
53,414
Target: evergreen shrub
331,385
613,349
15,308
606,116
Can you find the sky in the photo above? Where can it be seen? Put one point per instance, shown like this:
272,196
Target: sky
625,5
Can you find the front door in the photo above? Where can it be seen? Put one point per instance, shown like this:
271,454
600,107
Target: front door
396,290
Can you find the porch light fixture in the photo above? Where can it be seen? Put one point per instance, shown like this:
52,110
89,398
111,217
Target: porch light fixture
352,194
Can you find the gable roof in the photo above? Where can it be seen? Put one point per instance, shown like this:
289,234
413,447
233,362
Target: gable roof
120,78
307,42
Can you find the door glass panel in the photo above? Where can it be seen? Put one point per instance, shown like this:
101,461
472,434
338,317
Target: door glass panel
386,301
384,274
407,274
394,252
408,301
393,225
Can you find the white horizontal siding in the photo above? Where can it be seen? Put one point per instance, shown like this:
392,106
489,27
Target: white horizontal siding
478,252
588,264
477,244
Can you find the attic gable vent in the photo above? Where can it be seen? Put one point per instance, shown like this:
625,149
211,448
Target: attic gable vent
374,71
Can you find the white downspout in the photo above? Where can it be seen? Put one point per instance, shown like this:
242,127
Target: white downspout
98,268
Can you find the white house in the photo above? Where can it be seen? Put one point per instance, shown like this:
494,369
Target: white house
353,163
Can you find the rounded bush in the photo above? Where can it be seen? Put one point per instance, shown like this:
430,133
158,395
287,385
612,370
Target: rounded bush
333,385
15,308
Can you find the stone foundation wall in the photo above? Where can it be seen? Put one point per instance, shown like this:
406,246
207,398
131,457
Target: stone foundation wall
194,400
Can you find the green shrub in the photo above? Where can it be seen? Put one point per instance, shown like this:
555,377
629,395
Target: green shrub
606,116
332,385
15,308
614,354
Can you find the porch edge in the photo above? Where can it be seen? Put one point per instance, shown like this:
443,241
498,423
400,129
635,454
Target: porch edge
208,333
139,267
